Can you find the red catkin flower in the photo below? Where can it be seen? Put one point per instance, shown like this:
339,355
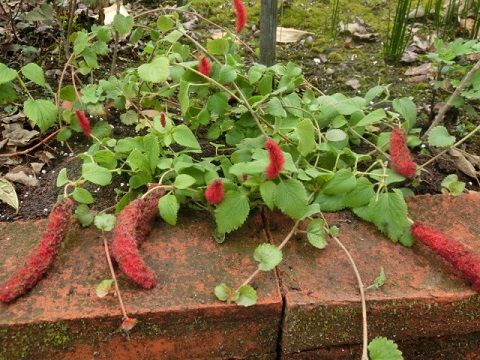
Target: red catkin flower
42,258
84,122
163,121
240,15
455,253
277,160
204,66
400,156
214,192
133,224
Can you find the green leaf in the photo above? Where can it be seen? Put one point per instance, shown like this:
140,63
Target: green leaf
165,23
390,214
82,196
183,96
168,208
336,135
440,137
267,191
105,222
42,113
255,73
6,74
232,212
275,108
8,195
268,256
157,71
183,181
223,292
379,281
84,215
291,198
64,134
129,118
452,184
361,194
34,73
381,348
330,203
122,24
226,74
374,117
407,108
80,43
96,174
246,296
316,234
184,136
62,177
103,288
306,136
342,182
217,46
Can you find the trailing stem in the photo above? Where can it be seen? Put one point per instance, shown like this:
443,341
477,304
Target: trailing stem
117,40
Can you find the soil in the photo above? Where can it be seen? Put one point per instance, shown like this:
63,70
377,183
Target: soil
362,61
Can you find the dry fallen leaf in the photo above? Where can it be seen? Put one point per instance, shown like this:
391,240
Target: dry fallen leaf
24,176
353,83
462,164
8,194
17,135
111,11
290,35
358,30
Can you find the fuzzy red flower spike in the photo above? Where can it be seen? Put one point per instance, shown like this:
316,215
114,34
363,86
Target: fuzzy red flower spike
277,160
240,15
214,192
84,122
204,66
400,156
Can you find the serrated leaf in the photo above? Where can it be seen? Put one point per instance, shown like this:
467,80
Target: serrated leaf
275,108
83,196
246,296
268,256
342,182
184,136
105,222
84,215
267,191
381,348
222,292
6,74
390,214
103,288
80,43
165,23
232,211
8,195
34,73
168,208
306,136
291,198
330,203
440,137
96,174
361,194
157,71
316,234
42,113
379,281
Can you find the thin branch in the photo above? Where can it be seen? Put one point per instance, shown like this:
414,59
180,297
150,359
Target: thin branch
369,143
114,278
458,143
463,84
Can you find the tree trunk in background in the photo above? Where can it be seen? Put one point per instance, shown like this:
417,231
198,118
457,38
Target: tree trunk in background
268,31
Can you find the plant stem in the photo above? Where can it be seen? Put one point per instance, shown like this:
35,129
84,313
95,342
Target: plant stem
279,247
112,271
71,12
369,143
441,113
117,40
362,292
459,142
362,297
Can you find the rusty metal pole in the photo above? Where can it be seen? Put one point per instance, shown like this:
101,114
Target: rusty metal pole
268,31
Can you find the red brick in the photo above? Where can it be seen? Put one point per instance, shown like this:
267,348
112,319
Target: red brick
179,319
423,295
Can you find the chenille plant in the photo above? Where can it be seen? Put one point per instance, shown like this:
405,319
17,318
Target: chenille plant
219,134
